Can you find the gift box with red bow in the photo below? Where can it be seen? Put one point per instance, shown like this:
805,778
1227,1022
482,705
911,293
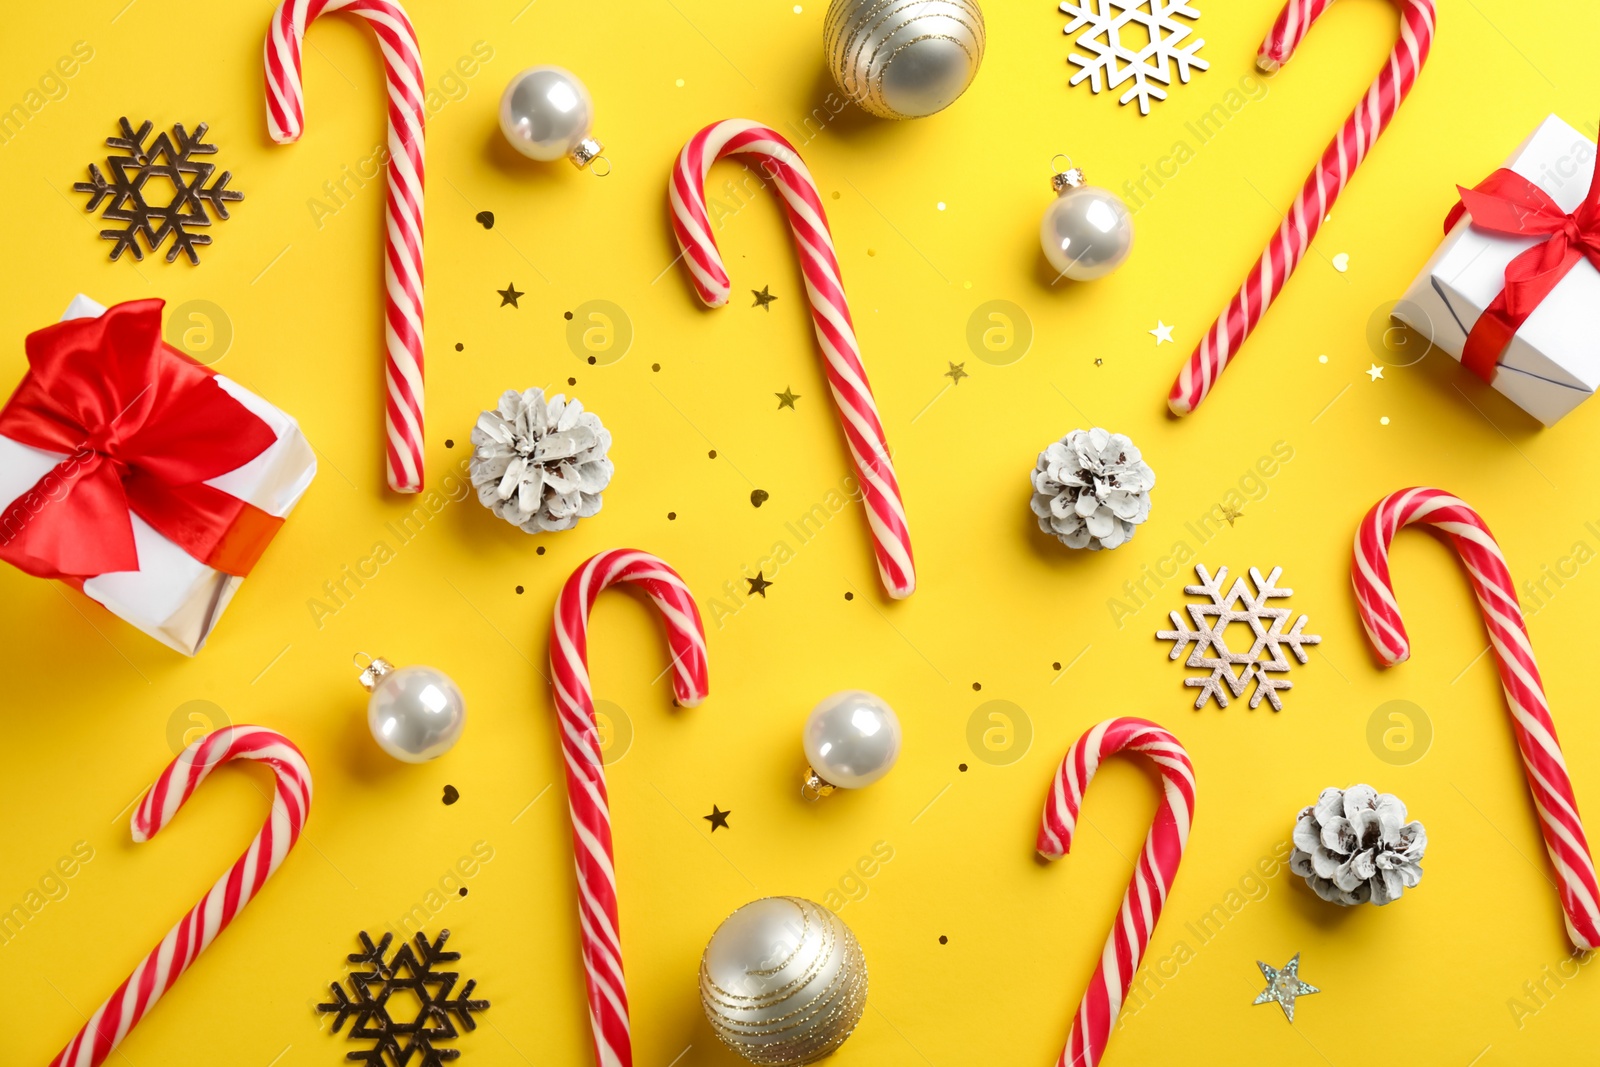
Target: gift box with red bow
1514,291
139,476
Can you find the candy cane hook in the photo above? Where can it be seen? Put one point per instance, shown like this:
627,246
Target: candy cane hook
291,802
1519,675
1152,875
830,313
1348,148
586,780
402,61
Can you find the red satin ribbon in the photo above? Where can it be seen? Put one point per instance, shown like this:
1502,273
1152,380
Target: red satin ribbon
143,427
1507,203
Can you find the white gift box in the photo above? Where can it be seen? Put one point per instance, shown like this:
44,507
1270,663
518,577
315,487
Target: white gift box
174,597
1553,363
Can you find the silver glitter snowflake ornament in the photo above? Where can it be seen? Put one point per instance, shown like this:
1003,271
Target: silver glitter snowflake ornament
540,464
1208,636
1157,46
1091,488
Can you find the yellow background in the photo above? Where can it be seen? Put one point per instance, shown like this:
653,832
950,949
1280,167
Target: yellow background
90,702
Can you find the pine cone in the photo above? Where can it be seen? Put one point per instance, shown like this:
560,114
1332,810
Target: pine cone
1354,845
540,465
1091,489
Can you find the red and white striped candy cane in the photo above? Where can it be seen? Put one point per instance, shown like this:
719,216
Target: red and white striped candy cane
1348,148
1519,674
402,61
830,312
586,780
1152,875
291,801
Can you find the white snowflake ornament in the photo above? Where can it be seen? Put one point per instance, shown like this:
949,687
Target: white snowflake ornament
540,464
1091,488
1268,637
1159,37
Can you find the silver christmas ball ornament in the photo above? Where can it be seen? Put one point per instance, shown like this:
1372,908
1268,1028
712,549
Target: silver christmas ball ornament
783,981
1087,231
851,740
903,59
546,113
415,713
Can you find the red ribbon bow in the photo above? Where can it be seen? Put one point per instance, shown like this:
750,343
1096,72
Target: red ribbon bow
143,427
1507,203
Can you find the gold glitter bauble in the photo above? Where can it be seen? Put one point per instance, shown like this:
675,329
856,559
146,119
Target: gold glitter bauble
783,981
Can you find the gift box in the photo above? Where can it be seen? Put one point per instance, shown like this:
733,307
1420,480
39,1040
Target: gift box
1514,290
139,476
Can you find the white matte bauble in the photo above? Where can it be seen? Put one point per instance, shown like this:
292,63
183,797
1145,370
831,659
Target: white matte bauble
415,713
783,981
903,59
546,113
1087,231
851,740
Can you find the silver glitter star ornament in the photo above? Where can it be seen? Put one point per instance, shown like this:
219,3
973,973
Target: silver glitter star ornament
1284,985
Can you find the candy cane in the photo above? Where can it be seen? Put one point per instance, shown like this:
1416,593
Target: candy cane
1152,875
291,801
402,61
1519,675
586,780
830,313
1343,155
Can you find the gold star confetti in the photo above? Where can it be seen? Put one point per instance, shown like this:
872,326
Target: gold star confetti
1230,513
957,372
759,584
786,398
764,298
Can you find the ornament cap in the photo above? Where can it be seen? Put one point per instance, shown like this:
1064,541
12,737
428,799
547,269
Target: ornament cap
585,152
374,671
1071,178
815,787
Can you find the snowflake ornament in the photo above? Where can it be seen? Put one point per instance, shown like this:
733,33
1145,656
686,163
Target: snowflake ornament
410,974
136,183
1211,651
1137,40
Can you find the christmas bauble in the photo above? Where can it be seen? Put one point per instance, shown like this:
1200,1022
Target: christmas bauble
903,59
415,713
546,113
1087,231
851,740
783,981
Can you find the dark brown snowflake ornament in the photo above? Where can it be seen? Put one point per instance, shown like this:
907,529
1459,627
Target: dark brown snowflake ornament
402,1004
158,191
